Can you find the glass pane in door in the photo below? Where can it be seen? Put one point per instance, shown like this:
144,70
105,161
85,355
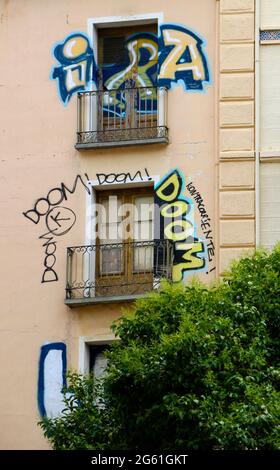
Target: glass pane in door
143,232
111,256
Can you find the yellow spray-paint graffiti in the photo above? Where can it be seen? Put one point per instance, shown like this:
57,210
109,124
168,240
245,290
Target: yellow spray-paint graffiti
140,72
182,58
137,68
180,41
191,260
177,225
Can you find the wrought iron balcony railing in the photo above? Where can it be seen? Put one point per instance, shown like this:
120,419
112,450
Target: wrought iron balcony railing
116,271
126,116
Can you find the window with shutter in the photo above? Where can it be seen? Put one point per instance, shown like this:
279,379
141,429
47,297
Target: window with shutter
122,51
125,235
128,107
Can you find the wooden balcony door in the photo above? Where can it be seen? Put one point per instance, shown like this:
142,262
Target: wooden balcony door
124,252
127,71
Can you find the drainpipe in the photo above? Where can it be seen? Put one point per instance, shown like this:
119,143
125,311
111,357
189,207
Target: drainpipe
257,122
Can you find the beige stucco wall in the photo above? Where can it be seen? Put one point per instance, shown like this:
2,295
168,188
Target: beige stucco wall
37,154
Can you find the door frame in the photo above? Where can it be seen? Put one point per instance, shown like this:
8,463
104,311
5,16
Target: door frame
93,24
139,181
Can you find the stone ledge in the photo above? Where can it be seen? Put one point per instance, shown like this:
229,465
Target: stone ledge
123,143
235,6
237,233
236,28
236,174
237,57
84,301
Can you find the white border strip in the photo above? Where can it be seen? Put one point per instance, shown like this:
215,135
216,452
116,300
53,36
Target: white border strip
117,21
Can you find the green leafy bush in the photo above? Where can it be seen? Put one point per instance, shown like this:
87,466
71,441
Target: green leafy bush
84,423
195,368
255,281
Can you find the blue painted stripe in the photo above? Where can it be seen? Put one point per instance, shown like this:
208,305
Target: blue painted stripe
45,349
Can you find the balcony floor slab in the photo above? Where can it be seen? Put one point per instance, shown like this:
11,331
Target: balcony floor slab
84,301
123,143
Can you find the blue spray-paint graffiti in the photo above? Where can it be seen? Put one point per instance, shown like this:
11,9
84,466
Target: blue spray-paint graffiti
177,56
141,63
138,71
51,379
181,58
177,224
76,65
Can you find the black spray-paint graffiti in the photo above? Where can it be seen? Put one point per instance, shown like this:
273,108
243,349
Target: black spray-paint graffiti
204,223
43,205
110,178
58,220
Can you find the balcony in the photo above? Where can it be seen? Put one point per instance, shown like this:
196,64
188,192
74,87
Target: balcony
129,116
116,272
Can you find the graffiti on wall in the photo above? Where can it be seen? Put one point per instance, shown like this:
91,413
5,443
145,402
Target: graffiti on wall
174,220
177,56
140,63
177,224
138,72
76,65
182,58
205,224
51,379
110,178
58,220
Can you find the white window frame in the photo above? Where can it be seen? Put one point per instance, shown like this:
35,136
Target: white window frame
84,344
90,235
269,155
93,24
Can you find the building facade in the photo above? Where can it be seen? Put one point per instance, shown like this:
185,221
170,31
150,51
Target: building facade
138,143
